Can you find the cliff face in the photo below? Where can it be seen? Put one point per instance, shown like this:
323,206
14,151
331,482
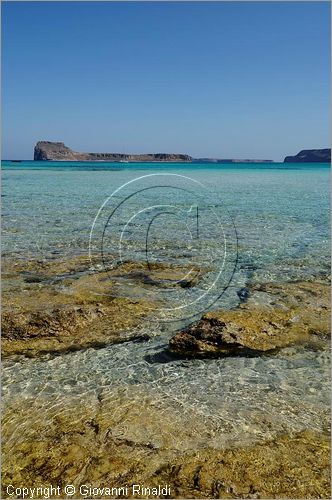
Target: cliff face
45,150
310,156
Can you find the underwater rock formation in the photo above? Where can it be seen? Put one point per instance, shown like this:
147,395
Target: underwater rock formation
125,440
290,314
65,306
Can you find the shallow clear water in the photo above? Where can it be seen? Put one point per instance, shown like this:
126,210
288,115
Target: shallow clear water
239,399
281,213
281,217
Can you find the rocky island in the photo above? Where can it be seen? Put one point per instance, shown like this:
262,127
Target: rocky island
57,151
230,160
310,156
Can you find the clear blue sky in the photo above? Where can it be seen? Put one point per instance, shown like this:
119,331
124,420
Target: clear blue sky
229,80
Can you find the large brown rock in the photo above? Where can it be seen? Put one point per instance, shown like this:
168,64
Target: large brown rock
226,332
289,313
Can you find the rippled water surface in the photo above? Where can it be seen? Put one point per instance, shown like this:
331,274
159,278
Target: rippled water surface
281,216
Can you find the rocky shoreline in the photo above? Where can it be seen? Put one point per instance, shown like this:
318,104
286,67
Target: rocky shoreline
129,436
61,306
273,317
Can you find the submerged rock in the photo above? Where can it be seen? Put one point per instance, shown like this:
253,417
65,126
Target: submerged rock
159,275
68,328
125,440
230,332
288,314
285,467
68,308
62,305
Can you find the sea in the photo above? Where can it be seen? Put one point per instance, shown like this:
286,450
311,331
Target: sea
244,223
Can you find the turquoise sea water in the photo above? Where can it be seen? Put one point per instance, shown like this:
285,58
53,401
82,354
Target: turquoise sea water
275,219
280,211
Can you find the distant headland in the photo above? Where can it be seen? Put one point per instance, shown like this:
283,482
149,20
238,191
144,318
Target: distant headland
58,151
310,156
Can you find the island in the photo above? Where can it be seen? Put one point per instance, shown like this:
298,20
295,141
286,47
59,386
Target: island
310,156
230,160
57,151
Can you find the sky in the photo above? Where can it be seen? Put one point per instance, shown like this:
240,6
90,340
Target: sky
210,79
